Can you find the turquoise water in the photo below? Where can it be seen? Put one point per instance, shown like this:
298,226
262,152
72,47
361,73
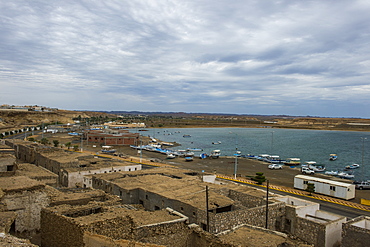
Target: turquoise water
308,145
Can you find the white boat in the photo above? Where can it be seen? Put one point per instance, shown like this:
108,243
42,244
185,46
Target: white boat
215,154
171,156
333,173
216,143
346,175
333,157
108,149
314,166
353,166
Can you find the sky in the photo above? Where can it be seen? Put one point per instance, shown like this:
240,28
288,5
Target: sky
262,57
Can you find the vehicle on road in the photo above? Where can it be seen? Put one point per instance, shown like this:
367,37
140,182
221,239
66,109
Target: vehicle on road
306,170
362,185
275,166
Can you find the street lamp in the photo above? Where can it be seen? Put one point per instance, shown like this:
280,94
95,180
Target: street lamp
236,154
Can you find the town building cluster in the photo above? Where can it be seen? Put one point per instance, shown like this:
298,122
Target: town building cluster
57,197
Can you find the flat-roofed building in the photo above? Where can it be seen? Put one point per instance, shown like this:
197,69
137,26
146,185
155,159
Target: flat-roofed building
184,191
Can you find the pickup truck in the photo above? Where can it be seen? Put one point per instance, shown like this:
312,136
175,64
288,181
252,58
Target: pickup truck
362,185
306,170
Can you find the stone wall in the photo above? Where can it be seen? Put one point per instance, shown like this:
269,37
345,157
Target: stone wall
253,216
117,228
59,231
311,232
27,205
95,240
246,200
355,236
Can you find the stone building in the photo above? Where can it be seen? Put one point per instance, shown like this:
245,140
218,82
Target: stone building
8,164
38,173
70,167
26,197
66,225
305,220
356,232
183,191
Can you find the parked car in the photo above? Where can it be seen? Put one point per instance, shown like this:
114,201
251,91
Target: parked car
362,185
275,166
306,170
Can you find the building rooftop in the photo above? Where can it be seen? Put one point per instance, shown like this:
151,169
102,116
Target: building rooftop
93,213
177,184
257,237
19,183
33,171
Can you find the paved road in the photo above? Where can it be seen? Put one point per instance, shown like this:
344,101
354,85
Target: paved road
335,208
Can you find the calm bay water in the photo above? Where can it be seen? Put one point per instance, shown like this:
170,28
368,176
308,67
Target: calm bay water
308,145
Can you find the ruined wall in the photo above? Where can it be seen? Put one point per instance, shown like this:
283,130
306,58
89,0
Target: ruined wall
289,220
26,152
27,205
59,231
7,163
311,232
354,236
246,200
95,240
117,228
253,216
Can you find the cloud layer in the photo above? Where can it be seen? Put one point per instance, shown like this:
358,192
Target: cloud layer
247,57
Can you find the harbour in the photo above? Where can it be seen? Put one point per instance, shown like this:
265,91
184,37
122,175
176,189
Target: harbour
308,145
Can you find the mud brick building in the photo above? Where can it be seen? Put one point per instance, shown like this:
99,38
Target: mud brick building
8,164
26,197
183,191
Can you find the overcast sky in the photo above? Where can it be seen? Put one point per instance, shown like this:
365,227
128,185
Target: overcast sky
242,56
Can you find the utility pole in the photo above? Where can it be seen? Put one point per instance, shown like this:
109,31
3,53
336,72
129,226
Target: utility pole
207,209
267,204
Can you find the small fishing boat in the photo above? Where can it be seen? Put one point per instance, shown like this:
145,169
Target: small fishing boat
216,143
108,149
314,166
292,161
171,156
346,175
333,173
186,136
194,149
189,157
215,154
333,157
353,166
203,155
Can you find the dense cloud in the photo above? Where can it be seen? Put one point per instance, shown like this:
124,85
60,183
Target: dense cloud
257,57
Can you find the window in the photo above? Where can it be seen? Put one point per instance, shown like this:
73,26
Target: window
332,188
305,182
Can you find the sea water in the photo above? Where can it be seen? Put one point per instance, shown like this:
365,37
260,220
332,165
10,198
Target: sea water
308,145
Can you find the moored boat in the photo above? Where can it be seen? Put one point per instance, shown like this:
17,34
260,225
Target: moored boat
215,154
346,175
333,157
292,161
333,173
353,166
171,156
314,166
